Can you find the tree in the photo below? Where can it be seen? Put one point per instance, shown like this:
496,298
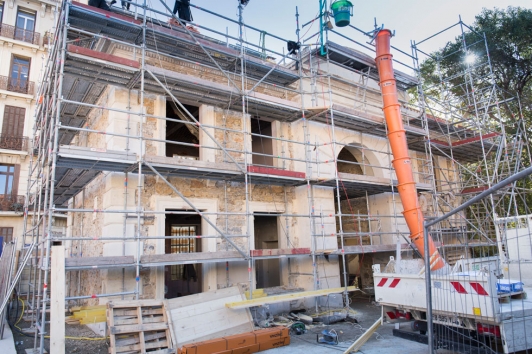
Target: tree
509,40
451,73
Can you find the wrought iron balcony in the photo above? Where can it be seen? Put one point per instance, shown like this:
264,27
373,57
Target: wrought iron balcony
19,34
14,143
16,85
12,202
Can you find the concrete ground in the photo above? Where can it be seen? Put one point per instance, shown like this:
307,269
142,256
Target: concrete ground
381,342
7,344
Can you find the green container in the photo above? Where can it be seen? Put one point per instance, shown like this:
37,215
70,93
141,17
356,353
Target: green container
342,11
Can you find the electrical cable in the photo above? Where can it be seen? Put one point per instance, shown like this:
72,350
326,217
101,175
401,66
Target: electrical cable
20,330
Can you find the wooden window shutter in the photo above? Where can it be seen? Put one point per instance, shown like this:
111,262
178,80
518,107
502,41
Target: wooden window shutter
15,180
13,123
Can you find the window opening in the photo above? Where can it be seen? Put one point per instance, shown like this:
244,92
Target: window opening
182,279
261,142
268,271
183,138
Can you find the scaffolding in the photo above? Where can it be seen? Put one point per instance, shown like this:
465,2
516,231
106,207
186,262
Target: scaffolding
484,139
85,139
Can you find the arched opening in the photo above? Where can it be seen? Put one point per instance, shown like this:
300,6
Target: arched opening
351,160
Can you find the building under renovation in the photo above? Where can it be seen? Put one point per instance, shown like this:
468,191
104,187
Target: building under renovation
187,160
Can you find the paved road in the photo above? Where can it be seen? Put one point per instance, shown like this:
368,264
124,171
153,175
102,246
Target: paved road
381,342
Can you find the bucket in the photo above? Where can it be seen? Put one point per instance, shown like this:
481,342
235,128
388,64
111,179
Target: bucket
342,11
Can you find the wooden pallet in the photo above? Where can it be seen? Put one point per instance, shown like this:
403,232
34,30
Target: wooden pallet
138,327
507,297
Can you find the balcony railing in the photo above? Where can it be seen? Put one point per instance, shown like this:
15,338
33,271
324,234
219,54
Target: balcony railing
13,143
19,34
11,202
16,85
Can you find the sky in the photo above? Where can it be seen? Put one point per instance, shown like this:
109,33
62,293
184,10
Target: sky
411,19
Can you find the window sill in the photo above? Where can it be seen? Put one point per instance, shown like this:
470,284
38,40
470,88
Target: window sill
34,47
11,213
5,93
22,154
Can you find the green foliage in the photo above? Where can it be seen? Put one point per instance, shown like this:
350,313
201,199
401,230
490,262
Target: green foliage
509,40
448,77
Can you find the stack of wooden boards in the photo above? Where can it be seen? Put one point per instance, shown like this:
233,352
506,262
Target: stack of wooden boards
246,343
137,327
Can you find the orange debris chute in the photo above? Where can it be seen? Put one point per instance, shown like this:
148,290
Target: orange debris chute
401,160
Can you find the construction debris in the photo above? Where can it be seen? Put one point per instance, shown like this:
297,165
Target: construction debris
87,314
136,327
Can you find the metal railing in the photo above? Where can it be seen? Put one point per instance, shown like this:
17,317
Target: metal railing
14,143
16,85
12,202
19,34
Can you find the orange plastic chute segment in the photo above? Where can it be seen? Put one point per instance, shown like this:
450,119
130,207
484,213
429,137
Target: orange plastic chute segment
401,161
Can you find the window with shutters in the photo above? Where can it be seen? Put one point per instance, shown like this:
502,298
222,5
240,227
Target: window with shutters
9,200
19,77
12,137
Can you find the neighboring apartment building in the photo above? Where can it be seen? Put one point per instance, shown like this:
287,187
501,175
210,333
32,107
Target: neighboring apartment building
24,39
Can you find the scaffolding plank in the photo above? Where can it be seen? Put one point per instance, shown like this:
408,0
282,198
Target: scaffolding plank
280,252
99,262
103,56
472,190
177,42
474,139
107,14
184,258
354,186
359,61
176,163
371,249
275,171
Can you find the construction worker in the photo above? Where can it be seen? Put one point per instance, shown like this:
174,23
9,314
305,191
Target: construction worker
182,7
101,4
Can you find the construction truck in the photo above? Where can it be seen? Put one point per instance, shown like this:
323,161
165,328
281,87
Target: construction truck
478,305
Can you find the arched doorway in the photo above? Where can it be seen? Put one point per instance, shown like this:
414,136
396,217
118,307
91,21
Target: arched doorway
351,160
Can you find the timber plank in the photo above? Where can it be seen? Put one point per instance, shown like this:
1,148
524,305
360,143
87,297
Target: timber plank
97,262
189,257
133,304
286,297
147,337
57,301
138,328
146,346
126,312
